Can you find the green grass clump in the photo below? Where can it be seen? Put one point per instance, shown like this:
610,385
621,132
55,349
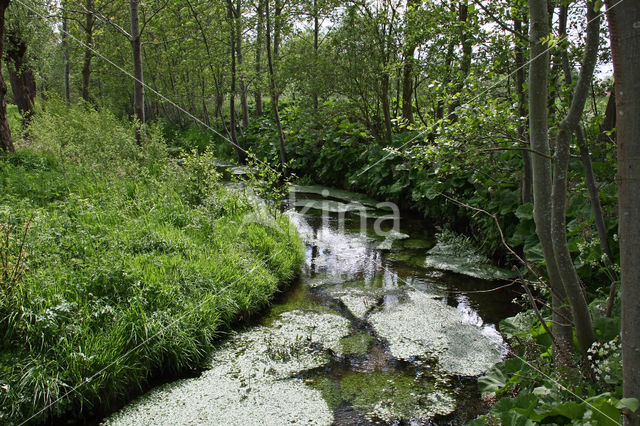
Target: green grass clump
134,263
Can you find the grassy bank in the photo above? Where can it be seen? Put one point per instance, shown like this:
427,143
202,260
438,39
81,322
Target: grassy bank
133,263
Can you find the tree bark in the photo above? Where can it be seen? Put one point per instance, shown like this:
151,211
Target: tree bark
23,82
624,29
568,273
407,71
522,112
609,123
136,49
585,157
465,62
541,168
88,53
65,49
386,105
316,33
243,88
232,96
6,143
259,46
274,88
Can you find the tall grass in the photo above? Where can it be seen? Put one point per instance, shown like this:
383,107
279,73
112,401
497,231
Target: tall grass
134,263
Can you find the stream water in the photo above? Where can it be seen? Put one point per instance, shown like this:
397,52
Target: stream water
373,332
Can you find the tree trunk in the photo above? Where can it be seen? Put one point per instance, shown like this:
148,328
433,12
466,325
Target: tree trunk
259,46
407,71
522,112
88,53
136,48
218,107
585,157
316,33
274,89
625,45
232,96
65,49
386,105
568,273
609,123
23,83
541,172
243,88
6,143
465,62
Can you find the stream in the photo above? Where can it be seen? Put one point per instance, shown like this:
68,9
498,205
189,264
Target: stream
381,328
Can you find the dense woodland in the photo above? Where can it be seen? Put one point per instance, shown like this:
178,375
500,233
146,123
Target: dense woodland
513,122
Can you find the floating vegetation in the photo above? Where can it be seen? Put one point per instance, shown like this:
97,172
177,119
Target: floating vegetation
250,379
424,327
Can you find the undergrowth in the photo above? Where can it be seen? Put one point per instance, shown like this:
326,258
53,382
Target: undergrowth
134,263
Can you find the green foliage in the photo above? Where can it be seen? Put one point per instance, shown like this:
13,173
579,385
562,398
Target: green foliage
532,389
137,262
203,179
12,269
266,181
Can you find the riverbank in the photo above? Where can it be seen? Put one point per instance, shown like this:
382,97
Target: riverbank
119,264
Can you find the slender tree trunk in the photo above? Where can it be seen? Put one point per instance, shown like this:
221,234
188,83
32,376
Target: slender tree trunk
88,53
274,88
541,168
136,49
625,45
316,33
243,88
65,49
585,157
465,63
219,104
259,47
609,123
522,112
568,273
6,143
407,71
386,105
232,96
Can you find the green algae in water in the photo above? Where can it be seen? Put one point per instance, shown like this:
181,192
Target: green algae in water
417,244
329,389
296,299
390,396
358,344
